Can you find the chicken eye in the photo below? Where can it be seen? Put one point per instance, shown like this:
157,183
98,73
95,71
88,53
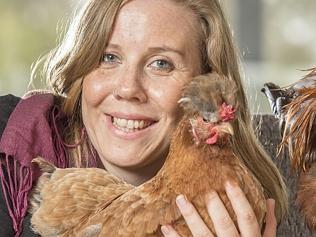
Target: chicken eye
210,117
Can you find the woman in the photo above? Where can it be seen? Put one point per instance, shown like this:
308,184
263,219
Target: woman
116,78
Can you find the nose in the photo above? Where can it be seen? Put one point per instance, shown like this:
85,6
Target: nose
130,87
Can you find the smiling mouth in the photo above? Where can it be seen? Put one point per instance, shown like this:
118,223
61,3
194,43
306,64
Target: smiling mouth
131,125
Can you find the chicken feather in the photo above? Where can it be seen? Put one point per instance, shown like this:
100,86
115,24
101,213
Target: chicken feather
64,197
298,119
200,159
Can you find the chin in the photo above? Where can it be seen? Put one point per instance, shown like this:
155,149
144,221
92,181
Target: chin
128,162
138,157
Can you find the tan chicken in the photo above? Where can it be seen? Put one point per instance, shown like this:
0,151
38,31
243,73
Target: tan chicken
297,114
92,202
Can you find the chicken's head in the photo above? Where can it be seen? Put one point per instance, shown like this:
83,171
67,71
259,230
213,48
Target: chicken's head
209,103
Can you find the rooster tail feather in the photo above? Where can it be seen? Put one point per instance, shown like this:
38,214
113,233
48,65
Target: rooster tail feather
306,196
312,73
300,127
276,97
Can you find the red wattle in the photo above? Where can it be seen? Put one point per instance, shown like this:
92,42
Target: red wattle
213,138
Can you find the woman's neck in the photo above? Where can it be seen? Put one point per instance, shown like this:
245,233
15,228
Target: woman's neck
135,176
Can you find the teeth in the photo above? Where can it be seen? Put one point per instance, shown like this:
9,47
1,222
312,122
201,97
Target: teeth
136,124
130,125
122,122
141,124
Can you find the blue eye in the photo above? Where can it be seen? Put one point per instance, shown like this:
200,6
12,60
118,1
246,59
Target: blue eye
110,58
162,65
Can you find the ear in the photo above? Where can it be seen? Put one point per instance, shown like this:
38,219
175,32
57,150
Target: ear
195,135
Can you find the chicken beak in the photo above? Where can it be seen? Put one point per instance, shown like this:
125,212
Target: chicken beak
226,127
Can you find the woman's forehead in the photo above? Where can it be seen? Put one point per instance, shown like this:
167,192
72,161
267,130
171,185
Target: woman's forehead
150,20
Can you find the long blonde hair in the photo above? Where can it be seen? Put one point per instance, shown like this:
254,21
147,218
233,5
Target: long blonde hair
80,53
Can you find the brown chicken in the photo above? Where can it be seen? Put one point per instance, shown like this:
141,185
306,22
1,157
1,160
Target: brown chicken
295,106
92,202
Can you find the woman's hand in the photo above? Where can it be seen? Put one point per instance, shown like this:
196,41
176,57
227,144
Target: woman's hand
223,224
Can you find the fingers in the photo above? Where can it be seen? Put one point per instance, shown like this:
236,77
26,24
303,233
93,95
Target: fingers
271,223
223,224
192,218
168,231
247,221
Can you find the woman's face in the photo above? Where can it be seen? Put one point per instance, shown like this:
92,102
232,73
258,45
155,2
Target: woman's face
129,103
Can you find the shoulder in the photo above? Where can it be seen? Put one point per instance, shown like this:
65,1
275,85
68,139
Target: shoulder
7,105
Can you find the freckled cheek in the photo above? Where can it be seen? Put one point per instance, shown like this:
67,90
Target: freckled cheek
94,89
166,97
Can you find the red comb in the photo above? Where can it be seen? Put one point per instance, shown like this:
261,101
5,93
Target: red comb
227,112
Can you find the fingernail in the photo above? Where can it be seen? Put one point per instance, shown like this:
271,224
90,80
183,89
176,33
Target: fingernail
165,229
270,217
270,203
181,200
230,186
210,195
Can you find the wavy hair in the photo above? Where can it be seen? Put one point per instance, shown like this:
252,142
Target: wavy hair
86,39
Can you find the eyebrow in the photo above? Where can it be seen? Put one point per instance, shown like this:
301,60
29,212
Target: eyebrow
115,46
163,48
